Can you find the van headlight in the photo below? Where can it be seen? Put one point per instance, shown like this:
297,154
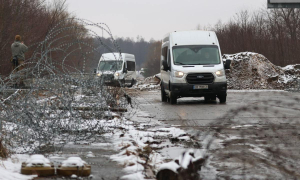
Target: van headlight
179,74
220,73
99,74
117,74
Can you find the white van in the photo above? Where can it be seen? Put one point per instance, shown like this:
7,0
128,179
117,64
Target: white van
117,69
192,66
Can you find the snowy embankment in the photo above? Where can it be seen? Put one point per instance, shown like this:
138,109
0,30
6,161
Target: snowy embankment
255,71
149,83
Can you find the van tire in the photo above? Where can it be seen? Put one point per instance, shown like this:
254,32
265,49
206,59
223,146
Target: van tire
132,83
173,98
206,98
222,98
213,98
209,98
164,97
122,82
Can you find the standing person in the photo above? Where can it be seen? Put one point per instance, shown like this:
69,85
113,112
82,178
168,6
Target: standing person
18,49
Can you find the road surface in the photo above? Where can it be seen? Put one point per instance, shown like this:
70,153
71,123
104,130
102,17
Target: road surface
195,112
258,131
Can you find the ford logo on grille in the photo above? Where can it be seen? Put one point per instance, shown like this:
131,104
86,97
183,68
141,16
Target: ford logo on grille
199,77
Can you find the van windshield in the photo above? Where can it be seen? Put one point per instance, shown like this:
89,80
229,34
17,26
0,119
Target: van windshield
110,65
196,55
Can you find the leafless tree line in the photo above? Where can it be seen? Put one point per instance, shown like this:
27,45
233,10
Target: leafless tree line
152,63
274,33
32,19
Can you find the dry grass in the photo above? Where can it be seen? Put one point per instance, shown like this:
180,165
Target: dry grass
4,153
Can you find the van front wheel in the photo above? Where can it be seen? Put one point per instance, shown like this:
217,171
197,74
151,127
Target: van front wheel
222,98
163,94
210,98
132,83
173,98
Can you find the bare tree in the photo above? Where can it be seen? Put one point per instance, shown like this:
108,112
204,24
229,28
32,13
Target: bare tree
31,19
152,63
273,33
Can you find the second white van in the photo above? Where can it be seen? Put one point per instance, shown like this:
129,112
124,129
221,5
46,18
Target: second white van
117,69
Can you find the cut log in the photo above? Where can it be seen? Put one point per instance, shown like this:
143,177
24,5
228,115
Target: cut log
40,171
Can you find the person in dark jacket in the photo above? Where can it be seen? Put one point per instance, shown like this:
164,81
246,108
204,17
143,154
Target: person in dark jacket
18,49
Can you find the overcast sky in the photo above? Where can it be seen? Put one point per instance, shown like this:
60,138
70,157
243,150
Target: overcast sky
155,18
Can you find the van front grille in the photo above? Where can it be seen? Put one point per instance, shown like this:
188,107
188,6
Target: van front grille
107,76
200,91
200,78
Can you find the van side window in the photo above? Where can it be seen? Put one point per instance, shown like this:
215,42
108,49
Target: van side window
164,52
133,66
130,66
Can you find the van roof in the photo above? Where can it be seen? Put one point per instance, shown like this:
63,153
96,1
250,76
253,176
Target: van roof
195,37
118,56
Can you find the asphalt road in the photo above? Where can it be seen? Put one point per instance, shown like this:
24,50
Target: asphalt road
256,134
195,112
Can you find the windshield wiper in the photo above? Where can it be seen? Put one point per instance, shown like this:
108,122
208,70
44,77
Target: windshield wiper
204,64
180,63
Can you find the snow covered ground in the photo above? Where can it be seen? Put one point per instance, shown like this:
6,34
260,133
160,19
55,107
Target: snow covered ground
150,83
143,148
10,168
146,145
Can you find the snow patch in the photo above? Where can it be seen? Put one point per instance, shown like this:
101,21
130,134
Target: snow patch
73,162
38,160
10,168
134,176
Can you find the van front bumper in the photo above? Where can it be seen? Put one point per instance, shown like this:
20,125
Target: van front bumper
113,82
116,82
187,90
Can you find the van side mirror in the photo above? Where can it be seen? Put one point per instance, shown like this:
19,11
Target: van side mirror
164,66
227,64
95,71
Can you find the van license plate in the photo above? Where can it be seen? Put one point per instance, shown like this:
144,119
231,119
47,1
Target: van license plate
200,86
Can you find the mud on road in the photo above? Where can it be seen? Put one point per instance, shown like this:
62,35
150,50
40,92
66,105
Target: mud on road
254,135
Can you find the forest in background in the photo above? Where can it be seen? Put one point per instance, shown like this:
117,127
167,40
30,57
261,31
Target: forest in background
274,33
32,19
